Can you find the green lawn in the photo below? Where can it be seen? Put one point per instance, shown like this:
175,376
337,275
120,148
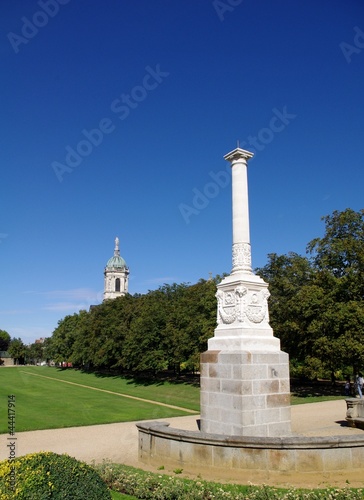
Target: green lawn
178,394
42,403
299,400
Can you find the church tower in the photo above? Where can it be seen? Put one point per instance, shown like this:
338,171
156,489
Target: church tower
116,275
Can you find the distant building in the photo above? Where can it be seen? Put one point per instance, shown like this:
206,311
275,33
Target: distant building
116,275
6,359
39,341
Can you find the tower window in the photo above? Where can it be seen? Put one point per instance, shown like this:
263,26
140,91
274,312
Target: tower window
117,285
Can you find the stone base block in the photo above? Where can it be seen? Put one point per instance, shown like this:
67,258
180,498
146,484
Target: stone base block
245,393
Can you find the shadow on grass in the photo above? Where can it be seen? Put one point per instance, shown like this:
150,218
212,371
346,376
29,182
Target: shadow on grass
143,378
299,388
319,388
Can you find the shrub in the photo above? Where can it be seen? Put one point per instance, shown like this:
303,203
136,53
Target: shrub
149,486
39,476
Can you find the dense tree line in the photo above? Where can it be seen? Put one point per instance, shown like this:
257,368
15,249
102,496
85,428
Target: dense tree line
163,329
316,309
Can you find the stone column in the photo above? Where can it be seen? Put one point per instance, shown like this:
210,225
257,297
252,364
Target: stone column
241,235
244,374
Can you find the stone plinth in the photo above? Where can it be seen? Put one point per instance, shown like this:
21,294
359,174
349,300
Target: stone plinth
245,393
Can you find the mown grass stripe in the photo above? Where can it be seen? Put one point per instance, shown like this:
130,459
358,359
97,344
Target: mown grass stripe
112,392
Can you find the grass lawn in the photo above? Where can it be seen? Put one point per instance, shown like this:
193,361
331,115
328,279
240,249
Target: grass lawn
178,394
42,403
299,400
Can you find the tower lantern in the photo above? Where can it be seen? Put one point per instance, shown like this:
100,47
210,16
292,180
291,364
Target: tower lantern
116,275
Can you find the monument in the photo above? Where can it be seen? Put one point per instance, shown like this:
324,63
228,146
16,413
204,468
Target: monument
245,427
245,388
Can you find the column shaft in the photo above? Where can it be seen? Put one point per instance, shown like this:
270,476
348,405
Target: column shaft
240,206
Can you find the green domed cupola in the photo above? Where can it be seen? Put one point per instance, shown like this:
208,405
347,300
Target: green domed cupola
116,275
116,261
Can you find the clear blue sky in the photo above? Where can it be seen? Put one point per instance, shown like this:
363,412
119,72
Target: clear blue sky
172,85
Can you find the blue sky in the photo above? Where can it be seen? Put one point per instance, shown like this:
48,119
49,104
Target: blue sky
116,116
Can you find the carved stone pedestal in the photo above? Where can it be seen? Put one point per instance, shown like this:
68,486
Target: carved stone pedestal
244,375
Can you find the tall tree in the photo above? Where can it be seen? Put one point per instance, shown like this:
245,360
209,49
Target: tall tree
4,340
17,350
61,347
293,301
340,252
339,260
34,353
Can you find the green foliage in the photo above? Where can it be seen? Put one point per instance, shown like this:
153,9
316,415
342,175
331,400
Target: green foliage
163,329
62,344
4,340
43,475
145,485
290,276
34,353
17,350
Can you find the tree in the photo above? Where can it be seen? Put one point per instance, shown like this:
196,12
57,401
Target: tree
341,252
61,346
144,346
4,340
35,353
293,301
17,350
339,261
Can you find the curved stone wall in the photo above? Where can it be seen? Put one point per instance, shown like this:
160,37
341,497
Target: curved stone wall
296,460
